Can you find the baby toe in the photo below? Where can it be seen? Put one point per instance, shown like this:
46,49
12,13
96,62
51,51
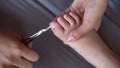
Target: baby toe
76,17
57,30
70,20
63,23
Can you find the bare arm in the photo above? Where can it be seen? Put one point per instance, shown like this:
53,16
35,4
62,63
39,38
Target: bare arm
95,51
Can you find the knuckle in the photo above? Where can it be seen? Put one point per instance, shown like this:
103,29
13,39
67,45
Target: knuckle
10,60
14,48
17,50
13,44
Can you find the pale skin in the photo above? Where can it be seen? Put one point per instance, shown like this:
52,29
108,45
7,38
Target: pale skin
92,12
90,46
13,53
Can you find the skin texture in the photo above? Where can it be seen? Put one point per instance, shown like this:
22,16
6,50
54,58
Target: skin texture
91,14
13,53
90,46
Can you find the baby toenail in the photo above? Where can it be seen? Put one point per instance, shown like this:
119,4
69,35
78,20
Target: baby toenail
71,38
65,16
59,19
53,25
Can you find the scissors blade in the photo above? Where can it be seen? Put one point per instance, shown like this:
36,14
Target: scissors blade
32,37
39,33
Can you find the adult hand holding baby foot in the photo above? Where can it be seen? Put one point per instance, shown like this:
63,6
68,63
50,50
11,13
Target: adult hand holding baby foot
91,11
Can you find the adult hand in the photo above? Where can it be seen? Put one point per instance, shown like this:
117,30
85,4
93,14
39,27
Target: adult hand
13,53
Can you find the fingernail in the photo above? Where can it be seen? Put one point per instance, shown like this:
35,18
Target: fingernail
71,38
53,25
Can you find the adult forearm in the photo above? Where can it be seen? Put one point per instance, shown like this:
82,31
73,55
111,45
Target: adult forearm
95,51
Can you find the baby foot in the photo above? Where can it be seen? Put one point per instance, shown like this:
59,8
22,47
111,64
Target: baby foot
65,24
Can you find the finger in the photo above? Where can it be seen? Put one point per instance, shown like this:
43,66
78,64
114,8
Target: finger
63,23
27,42
92,14
29,53
10,66
21,37
22,63
30,44
17,62
70,20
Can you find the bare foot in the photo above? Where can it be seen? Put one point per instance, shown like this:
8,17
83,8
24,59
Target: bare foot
64,24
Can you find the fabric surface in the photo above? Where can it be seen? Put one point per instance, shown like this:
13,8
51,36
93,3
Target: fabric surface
110,28
29,16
